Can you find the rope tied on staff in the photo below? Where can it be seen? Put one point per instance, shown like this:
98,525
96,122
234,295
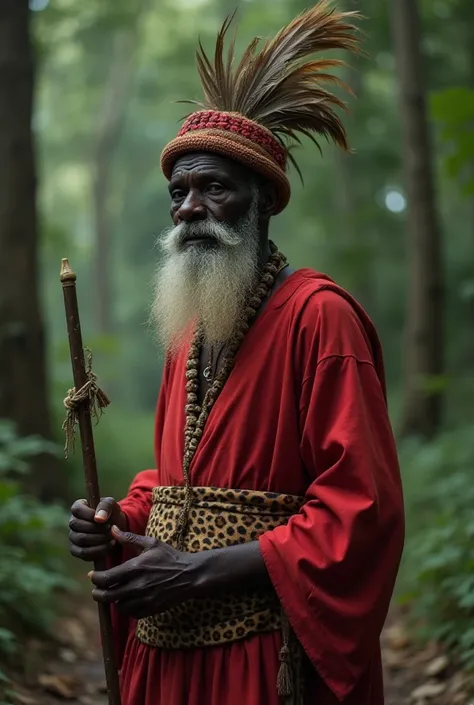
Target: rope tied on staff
91,393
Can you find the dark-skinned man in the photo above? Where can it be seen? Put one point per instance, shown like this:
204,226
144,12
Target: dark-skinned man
256,564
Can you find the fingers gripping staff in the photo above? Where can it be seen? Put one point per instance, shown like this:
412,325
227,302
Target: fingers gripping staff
126,584
89,530
158,578
82,405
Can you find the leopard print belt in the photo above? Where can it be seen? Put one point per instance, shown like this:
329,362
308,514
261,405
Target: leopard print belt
218,518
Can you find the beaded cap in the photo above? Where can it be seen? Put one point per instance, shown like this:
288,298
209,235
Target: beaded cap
239,125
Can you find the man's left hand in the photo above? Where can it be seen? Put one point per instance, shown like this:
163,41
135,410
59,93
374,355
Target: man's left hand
158,578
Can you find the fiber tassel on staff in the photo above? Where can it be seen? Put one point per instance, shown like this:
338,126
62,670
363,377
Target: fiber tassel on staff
82,402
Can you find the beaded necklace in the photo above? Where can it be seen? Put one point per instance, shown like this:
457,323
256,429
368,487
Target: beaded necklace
197,415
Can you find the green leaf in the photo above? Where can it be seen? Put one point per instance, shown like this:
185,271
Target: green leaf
453,106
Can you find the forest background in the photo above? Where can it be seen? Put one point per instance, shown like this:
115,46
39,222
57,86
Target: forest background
88,97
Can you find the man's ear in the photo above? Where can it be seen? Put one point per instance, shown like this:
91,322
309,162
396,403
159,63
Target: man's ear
268,199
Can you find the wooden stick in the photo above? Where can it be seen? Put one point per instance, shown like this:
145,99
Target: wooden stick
68,280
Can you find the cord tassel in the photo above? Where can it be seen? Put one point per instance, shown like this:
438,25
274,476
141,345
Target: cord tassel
285,676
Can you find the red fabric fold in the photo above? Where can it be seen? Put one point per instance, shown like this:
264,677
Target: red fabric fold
334,565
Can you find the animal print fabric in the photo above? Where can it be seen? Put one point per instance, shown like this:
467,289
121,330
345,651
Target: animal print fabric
218,518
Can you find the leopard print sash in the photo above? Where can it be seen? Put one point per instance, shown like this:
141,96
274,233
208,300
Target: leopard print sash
218,518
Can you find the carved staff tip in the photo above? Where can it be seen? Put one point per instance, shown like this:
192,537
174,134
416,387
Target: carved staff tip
66,275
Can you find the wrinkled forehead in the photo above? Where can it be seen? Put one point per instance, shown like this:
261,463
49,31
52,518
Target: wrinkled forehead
217,164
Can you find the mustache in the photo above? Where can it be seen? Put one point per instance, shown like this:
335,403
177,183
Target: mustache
174,237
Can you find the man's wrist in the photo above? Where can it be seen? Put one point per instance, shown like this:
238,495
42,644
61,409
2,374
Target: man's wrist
232,567
204,574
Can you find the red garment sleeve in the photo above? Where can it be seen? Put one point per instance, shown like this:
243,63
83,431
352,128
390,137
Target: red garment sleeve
334,564
137,504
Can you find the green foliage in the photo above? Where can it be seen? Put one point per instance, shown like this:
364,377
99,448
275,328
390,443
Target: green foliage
454,110
31,545
438,570
15,451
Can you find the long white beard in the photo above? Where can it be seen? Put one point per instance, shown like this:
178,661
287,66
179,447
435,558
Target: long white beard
209,285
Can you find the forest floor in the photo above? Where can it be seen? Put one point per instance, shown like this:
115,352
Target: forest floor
71,669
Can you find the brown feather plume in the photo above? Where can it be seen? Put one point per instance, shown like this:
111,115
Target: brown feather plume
275,86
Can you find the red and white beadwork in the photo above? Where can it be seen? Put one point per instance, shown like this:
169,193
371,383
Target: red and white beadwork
231,122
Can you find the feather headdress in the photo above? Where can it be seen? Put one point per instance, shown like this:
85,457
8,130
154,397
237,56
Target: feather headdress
254,111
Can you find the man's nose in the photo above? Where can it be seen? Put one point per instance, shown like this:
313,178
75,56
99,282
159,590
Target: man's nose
191,209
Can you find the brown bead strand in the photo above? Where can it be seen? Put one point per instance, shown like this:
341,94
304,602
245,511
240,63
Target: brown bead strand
196,416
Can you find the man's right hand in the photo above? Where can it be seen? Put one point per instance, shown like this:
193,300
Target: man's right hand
89,530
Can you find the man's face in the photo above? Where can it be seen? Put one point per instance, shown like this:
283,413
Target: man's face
208,188
211,253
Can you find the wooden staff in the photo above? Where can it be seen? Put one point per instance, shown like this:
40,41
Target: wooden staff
82,381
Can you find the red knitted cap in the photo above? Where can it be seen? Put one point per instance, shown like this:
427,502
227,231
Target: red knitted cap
234,136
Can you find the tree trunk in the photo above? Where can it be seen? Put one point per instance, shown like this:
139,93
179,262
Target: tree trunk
23,385
355,243
111,120
423,389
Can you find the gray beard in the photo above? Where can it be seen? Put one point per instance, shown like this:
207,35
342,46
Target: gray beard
205,285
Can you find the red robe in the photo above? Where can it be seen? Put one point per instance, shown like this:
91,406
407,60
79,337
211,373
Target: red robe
303,412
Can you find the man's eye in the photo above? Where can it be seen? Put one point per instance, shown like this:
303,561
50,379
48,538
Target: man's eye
177,194
215,188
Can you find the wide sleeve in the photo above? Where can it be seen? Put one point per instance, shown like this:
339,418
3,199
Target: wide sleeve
334,564
137,504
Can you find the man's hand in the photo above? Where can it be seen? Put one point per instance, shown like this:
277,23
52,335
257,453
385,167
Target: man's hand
89,531
158,578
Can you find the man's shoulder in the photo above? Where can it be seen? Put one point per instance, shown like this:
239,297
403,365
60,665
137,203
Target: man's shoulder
311,293
325,317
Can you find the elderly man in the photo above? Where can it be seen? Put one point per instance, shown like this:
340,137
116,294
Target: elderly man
256,564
